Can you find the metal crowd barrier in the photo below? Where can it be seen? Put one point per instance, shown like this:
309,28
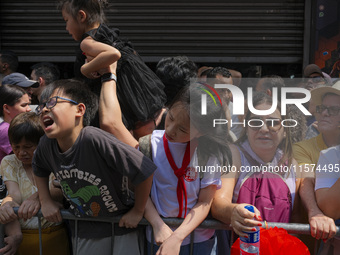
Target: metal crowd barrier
292,228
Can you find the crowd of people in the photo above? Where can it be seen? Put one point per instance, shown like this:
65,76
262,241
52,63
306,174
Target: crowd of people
120,139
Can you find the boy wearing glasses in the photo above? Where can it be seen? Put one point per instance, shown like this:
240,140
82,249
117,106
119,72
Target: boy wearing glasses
327,101
93,169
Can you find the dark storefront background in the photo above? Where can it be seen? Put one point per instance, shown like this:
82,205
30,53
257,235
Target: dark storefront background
252,36
327,34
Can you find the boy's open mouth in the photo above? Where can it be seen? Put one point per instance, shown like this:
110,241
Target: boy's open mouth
48,122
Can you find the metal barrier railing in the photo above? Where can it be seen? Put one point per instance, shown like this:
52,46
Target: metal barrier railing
292,228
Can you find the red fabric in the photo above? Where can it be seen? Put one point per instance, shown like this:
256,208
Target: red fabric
276,241
179,172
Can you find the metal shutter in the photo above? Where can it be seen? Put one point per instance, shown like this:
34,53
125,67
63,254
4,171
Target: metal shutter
234,31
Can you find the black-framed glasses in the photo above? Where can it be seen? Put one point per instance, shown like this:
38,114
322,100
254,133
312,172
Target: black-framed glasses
51,102
331,110
273,125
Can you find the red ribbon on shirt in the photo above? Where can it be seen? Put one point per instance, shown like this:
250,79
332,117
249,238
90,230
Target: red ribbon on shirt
180,173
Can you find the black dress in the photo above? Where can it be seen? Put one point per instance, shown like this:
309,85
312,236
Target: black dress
139,90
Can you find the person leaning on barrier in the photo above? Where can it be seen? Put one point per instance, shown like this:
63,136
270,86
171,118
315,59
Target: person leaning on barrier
263,146
94,169
24,134
327,191
307,153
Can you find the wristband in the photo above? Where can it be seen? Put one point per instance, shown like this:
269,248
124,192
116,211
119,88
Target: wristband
108,77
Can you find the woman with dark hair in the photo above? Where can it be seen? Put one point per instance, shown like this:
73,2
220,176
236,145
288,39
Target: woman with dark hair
22,230
13,100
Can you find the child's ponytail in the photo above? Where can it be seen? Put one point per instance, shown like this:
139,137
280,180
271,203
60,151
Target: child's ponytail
104,4
93,8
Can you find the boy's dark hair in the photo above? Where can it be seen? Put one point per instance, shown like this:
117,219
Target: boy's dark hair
48,71
25,125
76,90
93,8
175,73
10,58
218,70
10,95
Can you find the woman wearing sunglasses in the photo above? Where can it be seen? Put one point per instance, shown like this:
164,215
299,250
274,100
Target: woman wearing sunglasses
265,176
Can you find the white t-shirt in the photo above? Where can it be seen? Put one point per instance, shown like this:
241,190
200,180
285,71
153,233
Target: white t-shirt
328,168
164,187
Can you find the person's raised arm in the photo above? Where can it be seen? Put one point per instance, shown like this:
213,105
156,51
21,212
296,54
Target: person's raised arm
110,115
99,55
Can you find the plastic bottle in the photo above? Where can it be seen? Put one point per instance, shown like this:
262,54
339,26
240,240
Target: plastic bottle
250,245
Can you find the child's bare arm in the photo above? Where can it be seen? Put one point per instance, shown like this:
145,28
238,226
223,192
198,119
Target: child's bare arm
110,115
195,217
49,208
101,54
56,192
134,216
160,229
30,206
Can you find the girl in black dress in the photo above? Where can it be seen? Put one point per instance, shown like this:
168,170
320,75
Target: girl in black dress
139,91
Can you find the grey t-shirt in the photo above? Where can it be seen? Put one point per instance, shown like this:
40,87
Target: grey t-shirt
94,175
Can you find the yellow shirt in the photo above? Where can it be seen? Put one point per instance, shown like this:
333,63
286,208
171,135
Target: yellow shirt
308,151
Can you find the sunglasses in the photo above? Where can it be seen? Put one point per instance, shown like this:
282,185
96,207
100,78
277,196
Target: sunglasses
51,102
332,110
273,125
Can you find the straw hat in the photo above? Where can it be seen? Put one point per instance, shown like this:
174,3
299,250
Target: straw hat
318,93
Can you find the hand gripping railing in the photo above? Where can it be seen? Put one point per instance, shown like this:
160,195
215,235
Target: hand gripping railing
292,228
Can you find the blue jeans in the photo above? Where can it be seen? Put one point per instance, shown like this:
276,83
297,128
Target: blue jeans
202,248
